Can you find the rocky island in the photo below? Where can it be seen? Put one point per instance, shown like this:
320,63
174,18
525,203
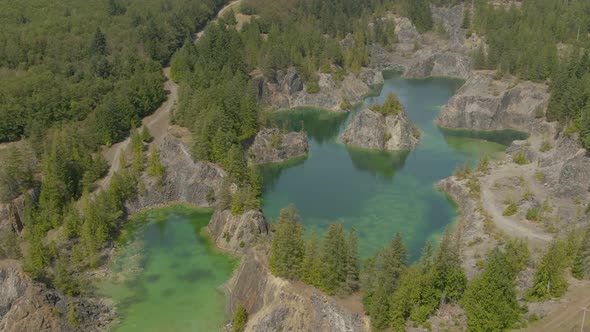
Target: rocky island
383,127
270,146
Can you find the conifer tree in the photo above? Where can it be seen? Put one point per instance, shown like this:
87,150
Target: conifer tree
550,281
311,266
287,249
334,258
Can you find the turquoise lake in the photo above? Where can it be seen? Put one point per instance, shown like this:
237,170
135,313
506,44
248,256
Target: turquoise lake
378,193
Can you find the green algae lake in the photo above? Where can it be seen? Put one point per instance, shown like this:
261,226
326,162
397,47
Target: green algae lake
178,274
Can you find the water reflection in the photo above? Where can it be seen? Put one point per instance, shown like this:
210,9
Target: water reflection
320,125
504,137
379,163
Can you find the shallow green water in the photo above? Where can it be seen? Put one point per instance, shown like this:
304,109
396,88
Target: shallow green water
167,276
378,193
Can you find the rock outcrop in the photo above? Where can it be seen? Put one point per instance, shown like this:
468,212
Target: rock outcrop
433,62
372,130
567,168
271,146
12,214
484,103
185,181
287,90
275,304
238,233
29,306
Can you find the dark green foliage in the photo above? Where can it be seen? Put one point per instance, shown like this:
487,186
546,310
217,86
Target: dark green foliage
490,299
99,62
16,173
550,279
570,95
419,12
286,253
311,267
581,259
381,278
240,318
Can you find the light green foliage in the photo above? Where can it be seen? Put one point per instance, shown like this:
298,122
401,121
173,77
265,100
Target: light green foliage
550,280
462,172
545,146
510,209
520,158
240,318
533,214
155,167
391,106
72,316
146,137
287,249
483,165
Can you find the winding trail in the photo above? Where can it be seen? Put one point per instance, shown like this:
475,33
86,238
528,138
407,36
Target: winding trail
510,226
158,122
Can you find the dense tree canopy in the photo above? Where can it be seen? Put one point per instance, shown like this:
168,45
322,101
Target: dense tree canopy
65,61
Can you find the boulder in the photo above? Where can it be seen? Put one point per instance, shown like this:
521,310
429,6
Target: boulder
484,103
372,130
271,146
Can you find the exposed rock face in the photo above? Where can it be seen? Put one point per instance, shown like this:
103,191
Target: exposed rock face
275,304
451,19
287,90
471,227
271,146
11,214
487,104
567,169
430,62
237,233
29,306
186,180
372,130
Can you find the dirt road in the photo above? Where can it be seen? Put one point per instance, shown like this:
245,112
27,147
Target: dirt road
509,225
158,122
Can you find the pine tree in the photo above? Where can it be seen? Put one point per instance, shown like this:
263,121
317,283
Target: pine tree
287,249
450,279
381,279
550,281
155,168
490,299
311,265
352,283
334,259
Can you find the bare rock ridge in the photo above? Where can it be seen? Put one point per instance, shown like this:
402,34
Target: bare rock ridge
275,304
185,181
26,305
484,103
238,233
372,130
287,90
270,146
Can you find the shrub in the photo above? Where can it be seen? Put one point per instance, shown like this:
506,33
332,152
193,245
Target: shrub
545,146
540,176
240,318
312,86
510,210
533,214
520,158
484,164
